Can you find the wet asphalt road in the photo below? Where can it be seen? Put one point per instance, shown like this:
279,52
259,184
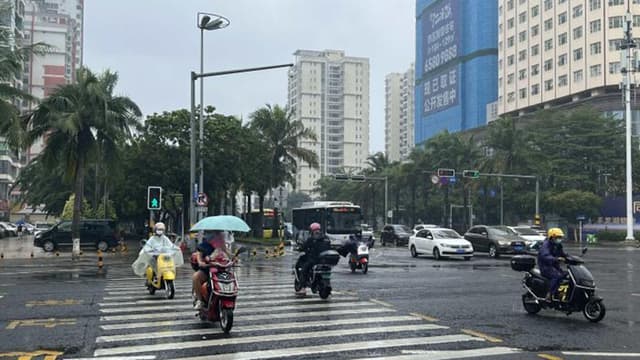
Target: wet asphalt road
403,308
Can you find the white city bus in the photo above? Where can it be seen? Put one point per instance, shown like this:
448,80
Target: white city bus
338,219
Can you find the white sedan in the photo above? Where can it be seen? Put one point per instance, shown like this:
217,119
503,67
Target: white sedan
440,242
532,238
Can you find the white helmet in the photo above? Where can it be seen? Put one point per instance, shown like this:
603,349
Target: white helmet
159,228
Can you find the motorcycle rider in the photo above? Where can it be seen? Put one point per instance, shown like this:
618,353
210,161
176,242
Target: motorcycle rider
351,246
156,242
312,247
212,247
550,256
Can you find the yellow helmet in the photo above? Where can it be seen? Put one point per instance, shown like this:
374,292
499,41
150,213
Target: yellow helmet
555,232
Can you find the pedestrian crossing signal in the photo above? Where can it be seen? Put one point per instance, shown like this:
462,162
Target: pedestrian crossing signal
154,198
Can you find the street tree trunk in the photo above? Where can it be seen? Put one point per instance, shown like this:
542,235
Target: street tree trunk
260,222
77,205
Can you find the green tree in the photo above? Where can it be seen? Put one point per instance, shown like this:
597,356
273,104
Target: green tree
67,212
572,203
76,119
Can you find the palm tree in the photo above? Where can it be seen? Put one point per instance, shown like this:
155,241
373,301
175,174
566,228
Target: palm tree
77,121
282,136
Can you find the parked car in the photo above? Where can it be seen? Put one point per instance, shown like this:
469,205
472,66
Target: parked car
40,227
532,238
395,234
496,240
9,228
367,233
419,227
96,233
440,242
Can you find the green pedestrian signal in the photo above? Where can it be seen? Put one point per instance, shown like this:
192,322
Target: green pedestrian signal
474,174
154,198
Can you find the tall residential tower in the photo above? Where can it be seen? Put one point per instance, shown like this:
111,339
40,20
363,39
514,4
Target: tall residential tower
399,114
329,92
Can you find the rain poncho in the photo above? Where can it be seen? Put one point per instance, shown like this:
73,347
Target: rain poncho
154,246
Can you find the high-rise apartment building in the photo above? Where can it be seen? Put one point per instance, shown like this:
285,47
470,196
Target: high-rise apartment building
456,64
399,115
329,93
561,53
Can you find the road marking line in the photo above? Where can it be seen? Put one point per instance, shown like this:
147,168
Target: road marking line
255,339
481,335
324,349
601,354
635,294
425,317
193,332
449,354
303,315
354,304
136,290
151,299
380,302
140,357
239,304
47,323
549,357
53,302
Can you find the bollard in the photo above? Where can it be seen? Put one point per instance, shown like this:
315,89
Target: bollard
32,254
1,255
57,253
100,263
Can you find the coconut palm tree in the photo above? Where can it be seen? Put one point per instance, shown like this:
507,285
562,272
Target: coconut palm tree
81,122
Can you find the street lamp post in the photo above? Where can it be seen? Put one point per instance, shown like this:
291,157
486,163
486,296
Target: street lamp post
628,66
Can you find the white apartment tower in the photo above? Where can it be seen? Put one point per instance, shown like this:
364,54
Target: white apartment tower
329,92
560,52
399,117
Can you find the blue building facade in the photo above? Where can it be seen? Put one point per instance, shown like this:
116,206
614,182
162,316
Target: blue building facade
456,65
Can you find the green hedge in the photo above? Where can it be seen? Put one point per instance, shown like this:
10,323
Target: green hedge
614,235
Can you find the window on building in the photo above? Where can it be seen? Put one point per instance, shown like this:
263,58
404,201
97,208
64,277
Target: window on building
510,79
500,28
577,11
595,70
548,44
535,69
548,24
616,22
595,4
510,60
500,44
548,65
535,50
535,89
614,67
562,80
577,33
577,54
522,55
595,48
616,2
561,1
510,23
562,60
577,76
535,30
510,5
636,20
535,11
510,41
548,85
511,97
523,93
562,18
522,74
595,26
522,18
562,39
548,4
500,64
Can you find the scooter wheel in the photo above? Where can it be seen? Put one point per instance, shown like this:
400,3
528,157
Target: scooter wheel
365,268
226,320
325,292
530,305
352,266
594,310
169,289
296,285
152,290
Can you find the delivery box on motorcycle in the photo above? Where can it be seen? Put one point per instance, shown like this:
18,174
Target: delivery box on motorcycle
329,257
523,262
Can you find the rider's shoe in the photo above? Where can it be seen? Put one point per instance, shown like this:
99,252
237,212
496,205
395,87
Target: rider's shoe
198,305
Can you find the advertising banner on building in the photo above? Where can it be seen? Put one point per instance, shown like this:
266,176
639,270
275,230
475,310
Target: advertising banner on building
440,90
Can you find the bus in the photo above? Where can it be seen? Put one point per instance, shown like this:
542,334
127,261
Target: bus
338,219
268,218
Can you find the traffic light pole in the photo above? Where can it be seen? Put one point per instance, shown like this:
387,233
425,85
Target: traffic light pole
520,177
375,178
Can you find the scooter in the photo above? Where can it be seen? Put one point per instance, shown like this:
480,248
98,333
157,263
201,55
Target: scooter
164,274
577,293
360,259
319,278
219,292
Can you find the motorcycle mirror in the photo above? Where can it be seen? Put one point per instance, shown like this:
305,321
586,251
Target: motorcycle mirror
584,251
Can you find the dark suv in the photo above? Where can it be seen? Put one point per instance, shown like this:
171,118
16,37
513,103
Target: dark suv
395,234
495,240
96,233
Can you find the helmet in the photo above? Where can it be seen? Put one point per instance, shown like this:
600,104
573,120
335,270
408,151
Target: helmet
159,228
555,232
314,227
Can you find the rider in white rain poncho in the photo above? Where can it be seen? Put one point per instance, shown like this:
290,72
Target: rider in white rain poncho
158,243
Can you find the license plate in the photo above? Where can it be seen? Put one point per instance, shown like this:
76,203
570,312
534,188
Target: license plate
518,248
460,251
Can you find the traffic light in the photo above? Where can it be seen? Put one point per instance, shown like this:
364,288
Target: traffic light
474,174
341,177
154,198
359,178
446,173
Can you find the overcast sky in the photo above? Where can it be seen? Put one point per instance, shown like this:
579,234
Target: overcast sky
154,44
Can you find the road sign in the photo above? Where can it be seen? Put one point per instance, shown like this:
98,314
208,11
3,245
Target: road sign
581,218
474,174
203,200
435,179
446,172
154,198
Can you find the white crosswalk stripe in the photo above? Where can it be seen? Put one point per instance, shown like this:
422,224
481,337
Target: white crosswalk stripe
271,322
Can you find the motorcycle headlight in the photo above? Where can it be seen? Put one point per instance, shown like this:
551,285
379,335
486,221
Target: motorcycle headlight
503,242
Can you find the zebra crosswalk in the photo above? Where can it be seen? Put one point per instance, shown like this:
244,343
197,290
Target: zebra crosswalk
271,322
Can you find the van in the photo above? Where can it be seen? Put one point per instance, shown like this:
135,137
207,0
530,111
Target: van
94,233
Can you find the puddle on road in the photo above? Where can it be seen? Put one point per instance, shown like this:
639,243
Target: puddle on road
71,275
